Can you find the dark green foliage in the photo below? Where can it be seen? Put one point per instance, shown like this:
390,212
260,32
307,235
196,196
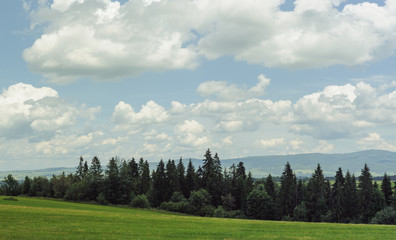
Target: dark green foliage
182,177
259,205
386,188
191,180
287,192
60,185
144,177
270,187
172,178
385,216
126,190
10,186
212,177
95,179
77,191
200,202
40,187
101,199
228,202
140,201
160,184
351,198
339,197
300,212
26,185
112,182
378,199
316,202
366,193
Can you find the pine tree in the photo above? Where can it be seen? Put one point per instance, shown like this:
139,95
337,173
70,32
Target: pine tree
287,191
316,204
351,197
125,184
112,182
270,187
339,204
172,179
80,169
386,188
133,171
190,180
181,176
26,185
366,192
238,180
378,202
160,185
95,178
212,177
145,180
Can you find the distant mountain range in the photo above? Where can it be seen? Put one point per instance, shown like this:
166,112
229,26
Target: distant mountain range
303,165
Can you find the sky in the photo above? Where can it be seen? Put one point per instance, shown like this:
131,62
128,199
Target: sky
164,79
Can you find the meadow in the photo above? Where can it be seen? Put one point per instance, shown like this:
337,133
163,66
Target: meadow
35,218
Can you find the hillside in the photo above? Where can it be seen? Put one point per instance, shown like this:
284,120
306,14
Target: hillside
34,218
378,161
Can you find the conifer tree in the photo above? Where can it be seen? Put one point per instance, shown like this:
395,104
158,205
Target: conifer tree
145,180
386,188
351,197
366,192
125,184
172,179
95,178
212,177
270,187
339,196
112,182
287,191
190,180
160,185
181,176
133,172
316,204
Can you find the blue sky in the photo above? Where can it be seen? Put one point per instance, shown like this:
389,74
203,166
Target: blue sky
164,79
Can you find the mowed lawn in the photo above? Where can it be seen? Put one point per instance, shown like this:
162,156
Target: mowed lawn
34,218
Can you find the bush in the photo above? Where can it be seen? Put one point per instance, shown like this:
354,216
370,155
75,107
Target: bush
300,212
385,216
140,201
101,199
182,206
219,212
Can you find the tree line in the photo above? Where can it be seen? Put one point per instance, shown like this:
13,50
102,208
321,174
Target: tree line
211,190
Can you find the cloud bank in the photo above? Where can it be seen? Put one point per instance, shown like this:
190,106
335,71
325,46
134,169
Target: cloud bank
107,40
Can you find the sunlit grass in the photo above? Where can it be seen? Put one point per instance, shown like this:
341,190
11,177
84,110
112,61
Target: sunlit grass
33,218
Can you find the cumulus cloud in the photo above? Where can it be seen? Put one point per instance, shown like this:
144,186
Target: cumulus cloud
223,91
150,113
26,109
107,40
191,133
375,141
271,143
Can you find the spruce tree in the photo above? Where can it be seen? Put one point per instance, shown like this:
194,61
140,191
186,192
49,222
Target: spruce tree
316,204
366,192
190,180
339,197
133,172
160,185
112,182
287,191
172,179
95,178
212,177
181,176
386,188
270,187
351,198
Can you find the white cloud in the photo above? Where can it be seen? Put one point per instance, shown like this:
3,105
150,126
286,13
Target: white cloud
107,40
375,141
149,113
271,143
223,91
28,111
191,133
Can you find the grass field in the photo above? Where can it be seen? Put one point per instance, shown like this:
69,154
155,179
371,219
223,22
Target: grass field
33,218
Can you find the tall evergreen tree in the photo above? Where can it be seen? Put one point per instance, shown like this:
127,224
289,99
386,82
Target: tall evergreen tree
212,177
181,175
172,179
160,185
95,178
386,188
145,180
112,182
351,197
26,185
80,169
287,191
190,180
339,204
133,171
270,187
316,204
366,192
238,180
378,202
125,184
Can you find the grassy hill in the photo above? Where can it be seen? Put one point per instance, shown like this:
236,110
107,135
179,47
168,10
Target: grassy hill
33,218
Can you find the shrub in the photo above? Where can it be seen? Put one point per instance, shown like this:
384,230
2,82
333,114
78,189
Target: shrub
219,212
385,216
101,199
140,201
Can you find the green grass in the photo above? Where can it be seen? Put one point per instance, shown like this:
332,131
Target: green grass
34,218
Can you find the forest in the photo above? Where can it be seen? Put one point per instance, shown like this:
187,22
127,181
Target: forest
213,191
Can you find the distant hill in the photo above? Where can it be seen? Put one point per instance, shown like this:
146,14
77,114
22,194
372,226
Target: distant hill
378,161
